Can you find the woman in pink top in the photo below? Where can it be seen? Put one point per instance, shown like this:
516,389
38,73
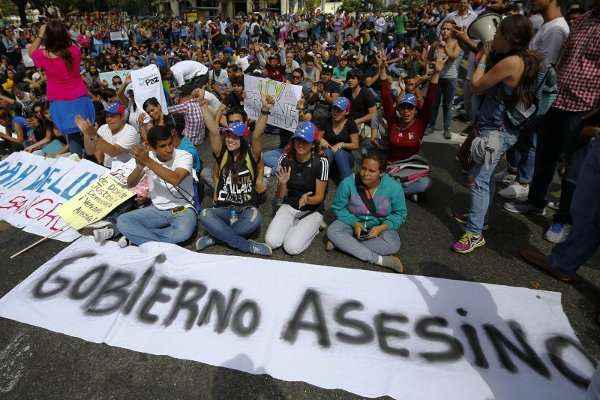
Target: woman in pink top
66,91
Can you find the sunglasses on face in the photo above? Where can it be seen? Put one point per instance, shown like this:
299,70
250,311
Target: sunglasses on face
296,77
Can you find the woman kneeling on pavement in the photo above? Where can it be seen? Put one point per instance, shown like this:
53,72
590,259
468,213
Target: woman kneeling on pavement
509,81
237,178
369,208
302,175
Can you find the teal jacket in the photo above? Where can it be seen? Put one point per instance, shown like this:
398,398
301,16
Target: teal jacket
390,207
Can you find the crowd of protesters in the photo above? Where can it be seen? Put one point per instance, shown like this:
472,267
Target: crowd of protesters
372,88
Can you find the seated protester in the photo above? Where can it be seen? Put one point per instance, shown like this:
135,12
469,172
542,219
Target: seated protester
42,137
369,208
112,142
235,98
302,176
321,98
406,127
16,128
127,98
363,108
297,78
274,69
340,138
237,181
218,79
171,217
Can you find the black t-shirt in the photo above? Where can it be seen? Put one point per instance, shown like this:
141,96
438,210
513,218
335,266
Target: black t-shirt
343,136
303,179
237,180
360,104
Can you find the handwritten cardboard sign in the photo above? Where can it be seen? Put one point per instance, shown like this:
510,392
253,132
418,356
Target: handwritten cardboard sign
284,113
94,202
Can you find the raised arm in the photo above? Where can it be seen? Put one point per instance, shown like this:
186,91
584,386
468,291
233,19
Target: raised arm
214,134
261,123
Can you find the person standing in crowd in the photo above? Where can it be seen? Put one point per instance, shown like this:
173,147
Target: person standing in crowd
238,181
369,208
194,119
548,41
68,96
187,71
302,176
509,80
340,138
579,93
449,49
171,217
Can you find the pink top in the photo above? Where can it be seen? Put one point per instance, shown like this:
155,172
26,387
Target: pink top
62,84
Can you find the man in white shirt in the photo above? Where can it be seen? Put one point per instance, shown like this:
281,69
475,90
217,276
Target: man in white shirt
187,70
171,217
112,142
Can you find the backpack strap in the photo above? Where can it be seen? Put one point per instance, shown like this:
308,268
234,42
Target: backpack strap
364,195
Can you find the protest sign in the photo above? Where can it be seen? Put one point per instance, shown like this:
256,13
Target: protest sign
146,83
370,333
108,76
33,187
284,113
94,202
117,36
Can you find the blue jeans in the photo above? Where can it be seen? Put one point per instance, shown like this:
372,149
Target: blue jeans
220,223
521,157
342,236
559,137
482,190
149,224
584,238
419,186
447,88
271,157
344,161
593,392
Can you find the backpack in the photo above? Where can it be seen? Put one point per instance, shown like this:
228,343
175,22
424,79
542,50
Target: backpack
410,169
546,93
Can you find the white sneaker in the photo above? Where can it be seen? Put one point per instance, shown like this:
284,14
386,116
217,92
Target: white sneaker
505,177
557,232
103,234
123,242
517,207
515,191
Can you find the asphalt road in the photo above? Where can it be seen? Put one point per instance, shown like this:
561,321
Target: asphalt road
38,364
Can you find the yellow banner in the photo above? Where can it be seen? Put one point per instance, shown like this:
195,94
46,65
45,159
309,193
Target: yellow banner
94,202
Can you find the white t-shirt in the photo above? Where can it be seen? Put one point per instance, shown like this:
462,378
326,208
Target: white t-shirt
187,69
549,39
134,115
125,138
536,22
165,196
380,25
213,101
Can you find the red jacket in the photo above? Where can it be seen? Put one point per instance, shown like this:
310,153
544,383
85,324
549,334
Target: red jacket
405,142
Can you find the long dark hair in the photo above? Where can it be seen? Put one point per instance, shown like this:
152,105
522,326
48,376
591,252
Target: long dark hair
236,166
58,41
518,31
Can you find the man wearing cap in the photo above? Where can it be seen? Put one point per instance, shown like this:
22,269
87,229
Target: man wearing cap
112,142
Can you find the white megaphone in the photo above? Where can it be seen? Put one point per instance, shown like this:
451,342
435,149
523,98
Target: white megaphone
484,27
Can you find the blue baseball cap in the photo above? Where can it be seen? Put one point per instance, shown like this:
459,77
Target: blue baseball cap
237,128
305,131
115,108
342,103
408,98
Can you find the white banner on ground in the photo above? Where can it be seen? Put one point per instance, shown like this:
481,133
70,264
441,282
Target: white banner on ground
284,113
146,83
369,333
108,76
33,187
